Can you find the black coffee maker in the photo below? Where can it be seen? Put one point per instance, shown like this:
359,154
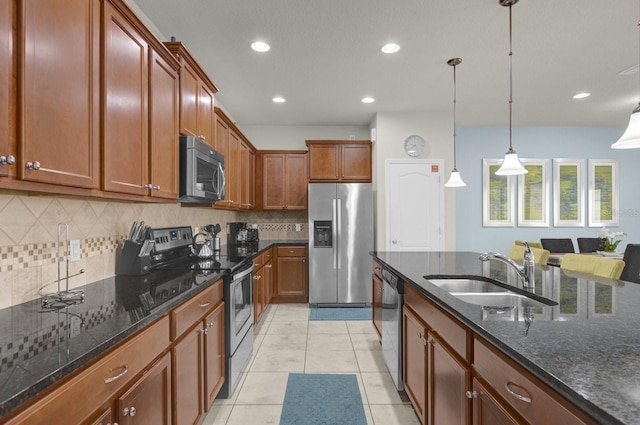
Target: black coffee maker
236,233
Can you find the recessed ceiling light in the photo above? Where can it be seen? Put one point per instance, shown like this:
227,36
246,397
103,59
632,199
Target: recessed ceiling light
390,48
260,46
279,99
581,95
368,100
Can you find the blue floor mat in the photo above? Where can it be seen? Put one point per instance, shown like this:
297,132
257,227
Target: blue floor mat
322,399
340,313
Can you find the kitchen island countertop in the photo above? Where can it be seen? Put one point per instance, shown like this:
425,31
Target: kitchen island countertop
587,347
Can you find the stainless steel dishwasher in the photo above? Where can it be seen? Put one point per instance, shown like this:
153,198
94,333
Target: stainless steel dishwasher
392,301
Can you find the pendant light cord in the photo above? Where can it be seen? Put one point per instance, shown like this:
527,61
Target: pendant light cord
454,117
510,79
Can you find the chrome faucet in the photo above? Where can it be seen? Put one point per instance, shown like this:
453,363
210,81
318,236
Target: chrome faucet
526,272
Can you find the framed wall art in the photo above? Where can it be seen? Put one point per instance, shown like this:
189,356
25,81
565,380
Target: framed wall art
603,193
533,194
568,192
498,193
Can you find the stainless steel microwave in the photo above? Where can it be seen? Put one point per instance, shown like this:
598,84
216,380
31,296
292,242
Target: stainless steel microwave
201,172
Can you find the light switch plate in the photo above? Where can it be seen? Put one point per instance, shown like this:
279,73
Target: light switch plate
74,248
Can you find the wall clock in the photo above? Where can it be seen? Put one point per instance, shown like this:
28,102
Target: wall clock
414,145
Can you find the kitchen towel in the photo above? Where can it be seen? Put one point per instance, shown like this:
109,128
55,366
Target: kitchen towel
322,399
340,313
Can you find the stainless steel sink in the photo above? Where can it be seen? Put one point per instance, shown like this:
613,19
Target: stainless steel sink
497,299
487,294
467,285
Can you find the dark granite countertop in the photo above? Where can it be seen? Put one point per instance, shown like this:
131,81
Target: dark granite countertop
38,346
587,347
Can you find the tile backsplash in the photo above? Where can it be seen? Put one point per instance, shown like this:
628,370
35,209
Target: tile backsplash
29,235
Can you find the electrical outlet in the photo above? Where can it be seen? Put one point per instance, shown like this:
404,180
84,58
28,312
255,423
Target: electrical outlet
298,227
74,248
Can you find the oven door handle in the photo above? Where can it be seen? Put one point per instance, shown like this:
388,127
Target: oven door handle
242,274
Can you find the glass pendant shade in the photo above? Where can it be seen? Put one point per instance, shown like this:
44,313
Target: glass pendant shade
631,137
511,165
455,180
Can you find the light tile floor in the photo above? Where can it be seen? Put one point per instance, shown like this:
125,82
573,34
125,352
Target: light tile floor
286,341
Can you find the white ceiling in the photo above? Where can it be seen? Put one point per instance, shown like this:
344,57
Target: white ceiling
325,56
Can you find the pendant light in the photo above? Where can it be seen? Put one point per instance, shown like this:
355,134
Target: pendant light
511,165
631,137
454,179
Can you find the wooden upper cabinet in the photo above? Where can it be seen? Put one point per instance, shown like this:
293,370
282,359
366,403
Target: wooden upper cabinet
247,175
7,153
196,96
233,168
284,178
163,128
339,160
59,78
125,112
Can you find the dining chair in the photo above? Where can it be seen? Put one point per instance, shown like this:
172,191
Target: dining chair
531,244
631,258
594,265
558,245
590,244
540,256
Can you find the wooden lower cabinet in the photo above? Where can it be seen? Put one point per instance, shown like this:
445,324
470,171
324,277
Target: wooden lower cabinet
415,362
448,382
487,410
148,401
258,295
291,272
188,368
214,353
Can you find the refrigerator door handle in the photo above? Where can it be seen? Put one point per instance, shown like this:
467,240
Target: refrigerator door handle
334,235
339,232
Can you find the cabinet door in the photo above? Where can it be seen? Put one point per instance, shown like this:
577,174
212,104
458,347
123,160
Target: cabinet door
6,103
214,353
148,401
292,276
414,336
247,176
59,108
205,113
487,410
189,84
125,112
268,282
273,180
448,382
356,162
296,182
324,162
377,304
258,295
163,128
233,168
188,378
222,146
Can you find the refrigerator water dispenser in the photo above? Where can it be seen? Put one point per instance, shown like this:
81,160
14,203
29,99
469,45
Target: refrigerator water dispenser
322,231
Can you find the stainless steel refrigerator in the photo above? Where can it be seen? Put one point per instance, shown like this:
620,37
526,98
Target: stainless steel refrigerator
340,239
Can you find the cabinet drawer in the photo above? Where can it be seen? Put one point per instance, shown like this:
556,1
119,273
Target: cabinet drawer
448,328
541,405
377,269
292,251
267,255
258,261
185,315
100,382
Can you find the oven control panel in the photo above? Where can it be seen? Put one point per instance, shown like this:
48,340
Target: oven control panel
171,237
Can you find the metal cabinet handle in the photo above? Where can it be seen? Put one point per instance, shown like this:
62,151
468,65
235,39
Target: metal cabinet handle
157,187
129,411
35,165
472,394
507,386
205,304
203,331
148,186
202,137
124,369
7,160
269,266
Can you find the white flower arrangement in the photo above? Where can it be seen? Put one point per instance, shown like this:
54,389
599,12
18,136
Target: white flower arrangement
610,239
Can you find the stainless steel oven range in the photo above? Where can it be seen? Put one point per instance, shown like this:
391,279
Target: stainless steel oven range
238,297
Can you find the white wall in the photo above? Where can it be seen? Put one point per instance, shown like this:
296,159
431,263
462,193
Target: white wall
292,137
392,130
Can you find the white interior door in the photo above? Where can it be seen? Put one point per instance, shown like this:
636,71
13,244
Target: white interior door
414,205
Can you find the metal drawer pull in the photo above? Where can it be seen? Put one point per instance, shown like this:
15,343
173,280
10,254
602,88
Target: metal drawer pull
124,371
524,398
7,160
205,304
35,165
131,412
472,394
